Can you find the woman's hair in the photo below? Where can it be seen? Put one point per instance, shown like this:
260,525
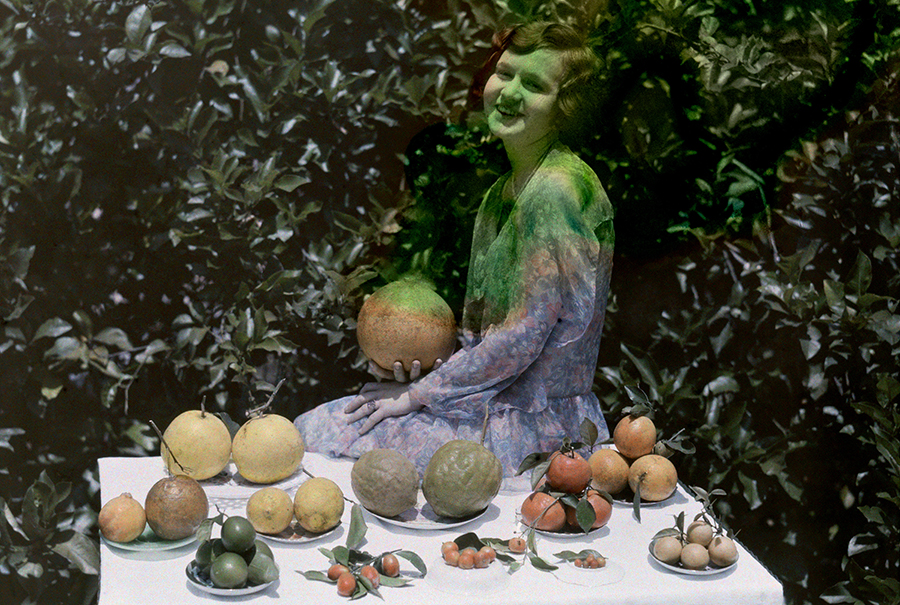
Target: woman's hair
580,88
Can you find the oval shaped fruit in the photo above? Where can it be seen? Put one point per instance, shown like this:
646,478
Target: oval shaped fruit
542,511
461,478
385,481
722,551
667,549
267,449
270,510
200,441
609,470
635,436
466,559
262,569
318,504
655,474
238,534
699,532
602,510
346,584
390,565
403,321
371,574
122,519
175,507
335,571
228,571
694,556
517,545
568,472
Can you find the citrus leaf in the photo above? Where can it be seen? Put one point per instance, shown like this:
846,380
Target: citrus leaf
413,558
585,515
318,576
539,563
588,431
358,527
393,582
531,461
636,503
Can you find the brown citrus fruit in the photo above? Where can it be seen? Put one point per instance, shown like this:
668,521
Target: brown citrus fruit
635,436
568,472
694,556
542,511
175,507
699,532
668,549
390,565
656,476
404,321
371,574
517,545
722,551
602,510
122,519
609,470
335,571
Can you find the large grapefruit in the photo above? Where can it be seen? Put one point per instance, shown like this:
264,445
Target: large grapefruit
461,478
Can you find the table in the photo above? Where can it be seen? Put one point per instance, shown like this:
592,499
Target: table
632,576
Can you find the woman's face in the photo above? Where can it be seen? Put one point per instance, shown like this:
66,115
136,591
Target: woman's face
520,96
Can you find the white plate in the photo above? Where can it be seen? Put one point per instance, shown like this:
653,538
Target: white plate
194,580
149,542
297,535
709,570
229,484
567,532
446,578
424,518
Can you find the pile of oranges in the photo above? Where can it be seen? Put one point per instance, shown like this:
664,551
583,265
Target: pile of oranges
469,557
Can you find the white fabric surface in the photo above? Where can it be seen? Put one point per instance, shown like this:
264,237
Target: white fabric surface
159,578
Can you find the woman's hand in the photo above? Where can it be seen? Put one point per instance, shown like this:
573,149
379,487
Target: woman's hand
378,401
399,374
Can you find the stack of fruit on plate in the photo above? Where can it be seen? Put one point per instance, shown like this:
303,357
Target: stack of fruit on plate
235,560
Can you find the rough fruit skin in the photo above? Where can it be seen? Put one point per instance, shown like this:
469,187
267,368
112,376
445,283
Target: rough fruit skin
267,449
609,470
635,436
403,321
201,443
175,507
385,482
542,511
655,474
318,504
122,519
270,510
461,478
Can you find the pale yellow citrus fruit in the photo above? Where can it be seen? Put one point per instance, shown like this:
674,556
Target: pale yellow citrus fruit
699,532
656,476
200,442
122,519
668,549
270,510
694,556
722,551
267,449
318,504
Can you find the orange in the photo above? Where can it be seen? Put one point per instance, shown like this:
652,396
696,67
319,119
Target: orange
609,470
635,436
568,472
542,511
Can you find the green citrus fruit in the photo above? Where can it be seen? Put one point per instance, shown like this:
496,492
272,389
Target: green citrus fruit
238,534
262,569
228,571
461,478
385,482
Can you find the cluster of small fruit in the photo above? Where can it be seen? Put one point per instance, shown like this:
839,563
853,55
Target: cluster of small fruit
317,506
174,509
591,561
696,547
370,574
469,557
564,497
635,463
235,559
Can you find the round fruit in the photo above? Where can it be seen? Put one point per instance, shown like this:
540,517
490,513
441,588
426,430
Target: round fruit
390,565
609,470
517,545
694,556
404,321
602,510
228,571
270,510
542,511
466,559
346,584
667,549
489,553
722,551
263,548
568,472
318,504
449,547
461,478
200,442
635,436
262,569
267,449
451,558
699,532
122,519
656,476
385,482
238,534
371,574
335,571
175,507
204,555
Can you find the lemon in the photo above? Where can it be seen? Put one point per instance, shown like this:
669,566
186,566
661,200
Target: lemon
318,504
270,510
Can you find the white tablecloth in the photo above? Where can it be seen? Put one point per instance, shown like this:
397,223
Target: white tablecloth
632,577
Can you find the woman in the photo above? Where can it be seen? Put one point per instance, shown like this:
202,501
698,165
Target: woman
536,290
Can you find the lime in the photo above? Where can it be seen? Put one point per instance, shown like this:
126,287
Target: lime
263,548
262,570
229,571
238,534
218,548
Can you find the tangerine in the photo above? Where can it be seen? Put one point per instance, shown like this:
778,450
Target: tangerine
609,470
542,511
635,436
569,472
602,510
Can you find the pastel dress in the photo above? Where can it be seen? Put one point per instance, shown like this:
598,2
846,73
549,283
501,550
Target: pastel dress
535,302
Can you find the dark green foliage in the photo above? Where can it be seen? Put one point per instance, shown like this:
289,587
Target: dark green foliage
195,196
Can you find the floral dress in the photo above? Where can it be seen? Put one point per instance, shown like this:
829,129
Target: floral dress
535,302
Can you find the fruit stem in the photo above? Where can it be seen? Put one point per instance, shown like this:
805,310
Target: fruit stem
171,453
257,411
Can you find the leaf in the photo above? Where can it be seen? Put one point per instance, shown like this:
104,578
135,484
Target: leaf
539,471
341,555
114,337
469,539
52,328
539,563
585,515
588,431
137,23
358,527
290,182
394,582
317,576
81,552
174,51
413,558
636,502
860,274
531,460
